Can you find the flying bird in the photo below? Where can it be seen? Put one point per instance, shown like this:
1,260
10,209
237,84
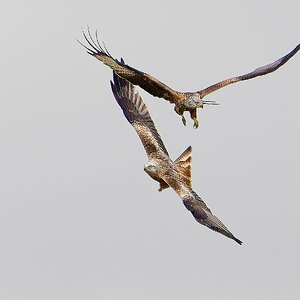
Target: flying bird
184,101
175,174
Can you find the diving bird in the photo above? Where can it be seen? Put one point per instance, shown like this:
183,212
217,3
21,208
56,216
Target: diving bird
184,101
175,174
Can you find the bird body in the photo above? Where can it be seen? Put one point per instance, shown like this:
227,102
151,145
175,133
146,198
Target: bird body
155,168
175,174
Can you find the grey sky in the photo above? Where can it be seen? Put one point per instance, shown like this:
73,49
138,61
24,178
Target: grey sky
79,218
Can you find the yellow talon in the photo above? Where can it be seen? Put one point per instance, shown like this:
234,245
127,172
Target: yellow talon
196,124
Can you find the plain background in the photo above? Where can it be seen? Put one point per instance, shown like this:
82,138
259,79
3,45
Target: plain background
79,218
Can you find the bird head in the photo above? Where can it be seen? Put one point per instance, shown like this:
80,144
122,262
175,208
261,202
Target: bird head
150,168
194,101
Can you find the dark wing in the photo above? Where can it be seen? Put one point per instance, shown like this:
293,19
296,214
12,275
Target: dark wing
203,215
257,72
195,204
145,81
138,116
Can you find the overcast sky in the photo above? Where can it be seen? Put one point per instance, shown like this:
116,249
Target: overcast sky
80,219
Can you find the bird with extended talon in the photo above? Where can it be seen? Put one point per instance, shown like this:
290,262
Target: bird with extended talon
184,101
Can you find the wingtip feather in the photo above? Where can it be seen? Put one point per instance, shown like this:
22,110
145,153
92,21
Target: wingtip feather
238,241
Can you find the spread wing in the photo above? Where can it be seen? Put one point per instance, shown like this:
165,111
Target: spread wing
145,81
138,116
257,72
195,204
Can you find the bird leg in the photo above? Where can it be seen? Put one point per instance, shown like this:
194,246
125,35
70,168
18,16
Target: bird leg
193,114
196,124
180,112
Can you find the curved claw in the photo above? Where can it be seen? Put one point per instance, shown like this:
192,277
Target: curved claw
183,120
196,124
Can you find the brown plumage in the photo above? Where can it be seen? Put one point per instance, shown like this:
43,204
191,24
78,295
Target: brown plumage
184,101
175,174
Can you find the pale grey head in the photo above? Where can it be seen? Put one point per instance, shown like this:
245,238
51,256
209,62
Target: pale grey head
193,101
151,168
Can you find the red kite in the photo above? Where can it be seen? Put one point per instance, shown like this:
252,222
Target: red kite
184,101
175,174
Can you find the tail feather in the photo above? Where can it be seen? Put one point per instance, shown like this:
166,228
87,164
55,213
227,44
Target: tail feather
184,165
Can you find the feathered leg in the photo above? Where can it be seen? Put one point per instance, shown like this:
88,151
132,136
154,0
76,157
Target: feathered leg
193,114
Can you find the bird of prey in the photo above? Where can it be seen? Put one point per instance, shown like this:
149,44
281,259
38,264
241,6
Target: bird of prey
175,174
184,101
